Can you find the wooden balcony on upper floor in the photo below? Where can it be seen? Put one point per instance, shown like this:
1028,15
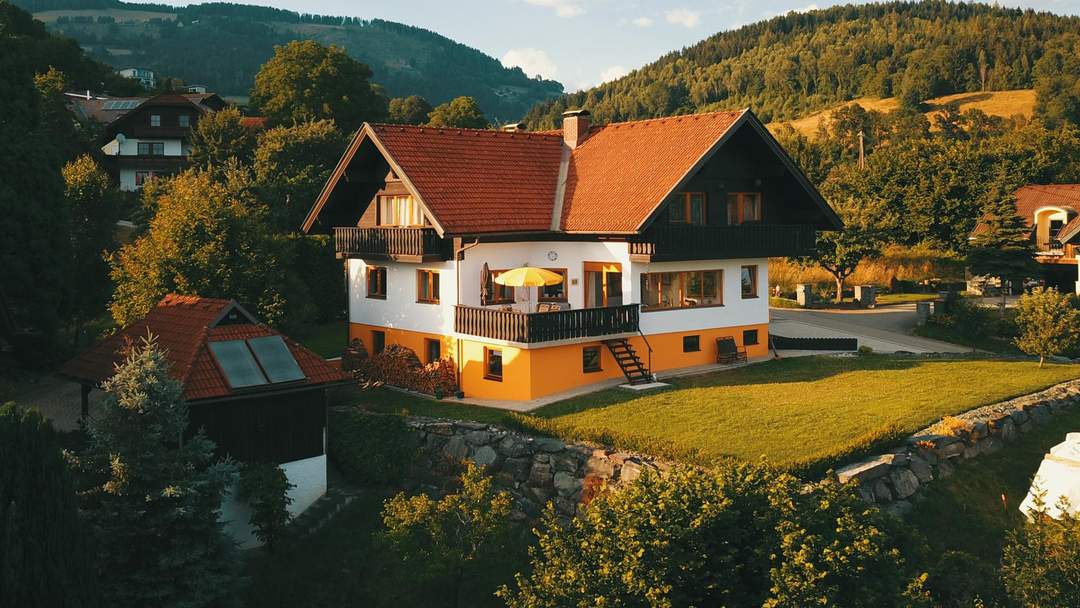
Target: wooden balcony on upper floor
675,242
392,243
536,327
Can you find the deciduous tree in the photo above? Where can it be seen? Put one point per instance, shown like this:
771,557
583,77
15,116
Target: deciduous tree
305,80
94,211
839,253
219,136
1048,321
461,112
291,166
1041,560
411,110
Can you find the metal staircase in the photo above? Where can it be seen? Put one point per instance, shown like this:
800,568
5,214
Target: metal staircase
635,371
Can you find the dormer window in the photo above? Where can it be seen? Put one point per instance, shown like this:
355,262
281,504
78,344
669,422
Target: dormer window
687,208
743,207
400,210
155,120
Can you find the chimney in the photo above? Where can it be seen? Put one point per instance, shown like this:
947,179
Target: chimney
514,127
575,127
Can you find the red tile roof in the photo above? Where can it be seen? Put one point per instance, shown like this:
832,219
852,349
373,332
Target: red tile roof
635,164
1031,198
183,326
253,122
478,180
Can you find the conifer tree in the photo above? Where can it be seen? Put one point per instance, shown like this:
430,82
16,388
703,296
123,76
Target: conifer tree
1004,249
43,550
156,493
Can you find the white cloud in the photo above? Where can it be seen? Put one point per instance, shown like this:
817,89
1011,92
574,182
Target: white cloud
531,61
642,21
683,16
806,9
563,8
613,72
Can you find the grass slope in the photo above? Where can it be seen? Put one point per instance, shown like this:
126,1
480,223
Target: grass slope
1005,104
803,413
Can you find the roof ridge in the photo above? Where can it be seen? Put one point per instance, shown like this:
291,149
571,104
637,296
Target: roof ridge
673,117
496,132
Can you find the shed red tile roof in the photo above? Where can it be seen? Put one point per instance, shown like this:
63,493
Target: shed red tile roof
476,180
183,326
635,164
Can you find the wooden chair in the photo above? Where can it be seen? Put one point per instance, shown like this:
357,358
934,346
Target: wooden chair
727,351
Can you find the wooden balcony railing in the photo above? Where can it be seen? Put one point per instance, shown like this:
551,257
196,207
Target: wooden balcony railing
405,244
668,242
531,328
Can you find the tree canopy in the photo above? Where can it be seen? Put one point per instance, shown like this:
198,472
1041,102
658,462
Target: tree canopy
305,80
411,110
462,112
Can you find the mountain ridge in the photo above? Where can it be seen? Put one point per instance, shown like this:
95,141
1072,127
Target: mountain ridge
407,60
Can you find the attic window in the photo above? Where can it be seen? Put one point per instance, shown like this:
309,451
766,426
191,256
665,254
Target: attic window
155,120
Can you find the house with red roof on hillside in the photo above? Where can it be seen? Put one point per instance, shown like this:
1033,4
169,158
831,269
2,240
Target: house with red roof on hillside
660,231
1052,212
259,396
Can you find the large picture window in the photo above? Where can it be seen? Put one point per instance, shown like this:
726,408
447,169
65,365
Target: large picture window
427,286
688,289
400,210
688,208
556,292
743,207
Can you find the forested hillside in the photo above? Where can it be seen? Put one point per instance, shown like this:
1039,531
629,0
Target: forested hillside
222,46
788,66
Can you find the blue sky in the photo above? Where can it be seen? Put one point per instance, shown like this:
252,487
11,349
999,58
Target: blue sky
580,42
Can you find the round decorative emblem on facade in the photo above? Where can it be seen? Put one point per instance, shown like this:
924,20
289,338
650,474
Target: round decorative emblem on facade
553,255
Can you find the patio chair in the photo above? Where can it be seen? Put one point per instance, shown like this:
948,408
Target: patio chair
728,352
547,307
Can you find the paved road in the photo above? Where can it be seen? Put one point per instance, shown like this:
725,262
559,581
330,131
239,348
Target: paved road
884,329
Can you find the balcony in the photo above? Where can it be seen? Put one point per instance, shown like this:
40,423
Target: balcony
670,242
532,328
399,244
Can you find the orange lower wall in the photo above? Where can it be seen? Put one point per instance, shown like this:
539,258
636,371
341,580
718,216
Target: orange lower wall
537,372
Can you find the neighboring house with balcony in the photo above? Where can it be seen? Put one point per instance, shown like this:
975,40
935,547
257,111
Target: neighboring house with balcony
148,137
661,230
1052,211
145,76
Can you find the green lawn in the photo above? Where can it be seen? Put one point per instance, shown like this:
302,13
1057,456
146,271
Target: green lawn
905,298
802,413
327,339
966,512
344,565
390,401
988,343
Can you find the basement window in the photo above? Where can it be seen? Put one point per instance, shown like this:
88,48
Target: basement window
590,359
691,344
493,364
749,337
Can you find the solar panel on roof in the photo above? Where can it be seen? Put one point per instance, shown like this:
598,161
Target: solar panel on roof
120,104
276,359
237,364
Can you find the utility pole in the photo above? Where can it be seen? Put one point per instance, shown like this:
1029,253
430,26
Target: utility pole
862,151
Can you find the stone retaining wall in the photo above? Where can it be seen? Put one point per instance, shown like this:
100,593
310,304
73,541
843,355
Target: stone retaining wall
534,470
894,477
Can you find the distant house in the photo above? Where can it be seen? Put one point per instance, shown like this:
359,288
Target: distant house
1052,211
150,137
660,229
145,76
257,394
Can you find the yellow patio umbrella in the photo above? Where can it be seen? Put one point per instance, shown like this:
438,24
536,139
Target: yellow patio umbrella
527,276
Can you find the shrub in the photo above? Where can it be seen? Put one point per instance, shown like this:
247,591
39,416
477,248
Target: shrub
371,448
266,489
1041,560
742,535
952,426
442,539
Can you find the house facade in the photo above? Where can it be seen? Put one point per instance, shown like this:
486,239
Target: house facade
149,137
1052,212
145,76
661,230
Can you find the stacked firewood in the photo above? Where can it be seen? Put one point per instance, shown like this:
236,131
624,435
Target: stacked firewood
399,366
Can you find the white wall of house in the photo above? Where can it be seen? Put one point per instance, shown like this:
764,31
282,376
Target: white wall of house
735,311
400,309
130,146
309,478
